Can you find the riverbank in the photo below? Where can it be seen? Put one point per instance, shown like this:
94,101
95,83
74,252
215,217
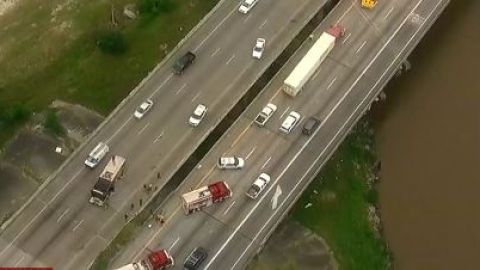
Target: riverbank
427,136
340,206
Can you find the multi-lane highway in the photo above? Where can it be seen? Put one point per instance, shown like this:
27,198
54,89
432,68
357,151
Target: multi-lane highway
362,62
59,227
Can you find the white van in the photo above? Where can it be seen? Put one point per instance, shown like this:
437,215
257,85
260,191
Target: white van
96,155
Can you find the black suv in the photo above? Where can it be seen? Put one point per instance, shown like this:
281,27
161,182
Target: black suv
196,258
183,62
310,125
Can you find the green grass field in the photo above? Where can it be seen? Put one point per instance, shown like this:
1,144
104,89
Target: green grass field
52,54
340,196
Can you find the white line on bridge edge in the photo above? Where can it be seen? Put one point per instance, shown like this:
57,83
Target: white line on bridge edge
39,213
216,27
313,135
107,141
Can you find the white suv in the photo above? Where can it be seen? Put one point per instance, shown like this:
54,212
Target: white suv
197,115
246,6
259,48
230,163
290,122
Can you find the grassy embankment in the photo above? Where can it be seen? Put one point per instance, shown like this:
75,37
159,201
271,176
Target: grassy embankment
340,197
52,53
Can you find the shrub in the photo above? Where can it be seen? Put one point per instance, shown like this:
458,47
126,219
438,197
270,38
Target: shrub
112,42
52,124
155,7
13,116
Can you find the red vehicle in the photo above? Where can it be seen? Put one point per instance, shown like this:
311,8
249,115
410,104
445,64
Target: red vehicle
205,196
157,260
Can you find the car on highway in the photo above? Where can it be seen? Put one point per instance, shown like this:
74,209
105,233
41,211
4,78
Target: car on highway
96,155
265,114
290,122
258,186
184,62
197,115
310,125
247,5
230,163
259,48
143,109
195,259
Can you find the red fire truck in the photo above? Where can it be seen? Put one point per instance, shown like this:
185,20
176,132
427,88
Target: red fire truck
157,260
205,196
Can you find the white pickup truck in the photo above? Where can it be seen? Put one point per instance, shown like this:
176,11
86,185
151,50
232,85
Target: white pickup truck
258,186
265,114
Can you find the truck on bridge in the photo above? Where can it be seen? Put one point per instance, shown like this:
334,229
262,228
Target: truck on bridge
205,196
105,185
302,72
157,260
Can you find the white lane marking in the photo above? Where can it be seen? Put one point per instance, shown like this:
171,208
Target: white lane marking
316,73
78,225
313,135
346,38
230,59
196,96
266,162
158,137
251,152
248,17
388,13
216,27
39,213
331,83
281,116
181,88
143,129
173,244
161,85
228,208
215,52
62,215
263,24
345,13
19,261
361,46
107,141
277,194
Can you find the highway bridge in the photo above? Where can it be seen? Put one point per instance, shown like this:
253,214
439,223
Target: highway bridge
59,228
375,44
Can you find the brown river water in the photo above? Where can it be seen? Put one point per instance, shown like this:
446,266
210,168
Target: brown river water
428,139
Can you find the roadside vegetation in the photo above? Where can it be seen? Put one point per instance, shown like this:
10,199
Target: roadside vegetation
84,52
338,204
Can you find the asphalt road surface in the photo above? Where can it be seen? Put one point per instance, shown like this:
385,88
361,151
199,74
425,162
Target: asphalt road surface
60,228
362,62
